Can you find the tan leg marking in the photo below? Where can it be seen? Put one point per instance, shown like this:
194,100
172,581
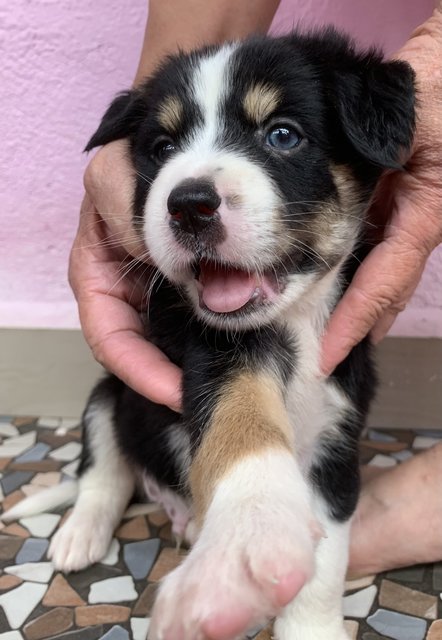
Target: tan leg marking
170,113
260,101
249,417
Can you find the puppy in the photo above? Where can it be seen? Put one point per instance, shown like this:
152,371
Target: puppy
256,162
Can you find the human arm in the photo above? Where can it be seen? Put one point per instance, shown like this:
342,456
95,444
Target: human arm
108,301
408,207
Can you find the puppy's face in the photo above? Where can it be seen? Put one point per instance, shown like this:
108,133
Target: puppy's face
254,171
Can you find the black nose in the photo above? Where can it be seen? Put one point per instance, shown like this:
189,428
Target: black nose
192,205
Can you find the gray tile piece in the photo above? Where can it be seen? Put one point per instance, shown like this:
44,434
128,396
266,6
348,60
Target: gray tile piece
6,418
437,577
410,574
373,636
32,550
378,436
398,625
12,481
116,633
140,556
37,452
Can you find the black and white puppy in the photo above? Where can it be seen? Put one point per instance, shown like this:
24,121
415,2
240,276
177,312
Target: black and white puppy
256,162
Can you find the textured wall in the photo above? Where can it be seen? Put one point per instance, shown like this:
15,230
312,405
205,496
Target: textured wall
61,64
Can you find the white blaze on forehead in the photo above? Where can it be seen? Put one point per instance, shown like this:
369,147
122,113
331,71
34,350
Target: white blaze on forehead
210,88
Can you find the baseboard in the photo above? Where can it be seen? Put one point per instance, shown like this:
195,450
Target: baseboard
45,372
410,390
50,372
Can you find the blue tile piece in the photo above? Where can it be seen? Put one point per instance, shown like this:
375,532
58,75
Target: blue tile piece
398,625
38,452
6,418
429,433
32,550
378,436
140,556
116,633
12,481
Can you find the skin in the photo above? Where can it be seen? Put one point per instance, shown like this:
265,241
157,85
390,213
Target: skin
408,209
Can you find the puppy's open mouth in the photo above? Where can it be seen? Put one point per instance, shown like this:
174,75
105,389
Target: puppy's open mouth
228,289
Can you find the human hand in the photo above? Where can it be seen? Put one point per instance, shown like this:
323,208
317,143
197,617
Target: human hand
409,208
109,284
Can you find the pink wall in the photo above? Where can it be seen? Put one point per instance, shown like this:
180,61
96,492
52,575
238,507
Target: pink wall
61,64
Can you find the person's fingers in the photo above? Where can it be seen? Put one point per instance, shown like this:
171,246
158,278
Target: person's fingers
109,290
109,183
379,291
114,332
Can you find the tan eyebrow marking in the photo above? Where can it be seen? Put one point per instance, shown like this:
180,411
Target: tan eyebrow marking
260,101
170,113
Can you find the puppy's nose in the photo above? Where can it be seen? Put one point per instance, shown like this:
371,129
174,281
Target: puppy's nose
193,204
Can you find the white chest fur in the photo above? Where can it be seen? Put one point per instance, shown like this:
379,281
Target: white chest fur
315,403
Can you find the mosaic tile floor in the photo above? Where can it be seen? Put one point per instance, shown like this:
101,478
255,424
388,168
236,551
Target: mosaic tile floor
112,600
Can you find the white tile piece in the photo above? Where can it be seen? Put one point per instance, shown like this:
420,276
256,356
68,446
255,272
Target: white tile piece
421,442
31,489
13,447
140,627
46,478
71,469
70,423
20,602
359,583
41,526
48,422
382,461
113,590
358,605
67,452
111,557
8,430
11,635
401,456
32,571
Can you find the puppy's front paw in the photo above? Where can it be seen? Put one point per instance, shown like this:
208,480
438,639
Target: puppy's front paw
79,543
252,558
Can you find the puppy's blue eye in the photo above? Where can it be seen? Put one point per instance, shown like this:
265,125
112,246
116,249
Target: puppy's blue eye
163,149
283,138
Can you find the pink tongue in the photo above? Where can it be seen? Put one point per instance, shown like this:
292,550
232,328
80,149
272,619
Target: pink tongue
226,290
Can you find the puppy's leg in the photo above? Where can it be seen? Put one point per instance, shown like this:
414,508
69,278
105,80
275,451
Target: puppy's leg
256,545
316,613
105,488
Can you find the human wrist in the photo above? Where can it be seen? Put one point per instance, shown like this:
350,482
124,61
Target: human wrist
176,25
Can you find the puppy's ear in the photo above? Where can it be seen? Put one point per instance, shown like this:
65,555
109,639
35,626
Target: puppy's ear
375,102
120,120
